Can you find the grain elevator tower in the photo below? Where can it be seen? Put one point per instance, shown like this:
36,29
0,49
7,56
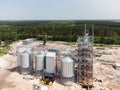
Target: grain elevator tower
85,60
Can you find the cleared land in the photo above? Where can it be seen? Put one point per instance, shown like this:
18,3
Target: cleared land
105,76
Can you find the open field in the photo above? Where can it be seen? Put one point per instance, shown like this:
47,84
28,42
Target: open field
105,76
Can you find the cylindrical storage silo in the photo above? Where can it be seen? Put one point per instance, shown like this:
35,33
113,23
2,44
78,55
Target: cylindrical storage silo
39,63
51,63
25,62
67,71
35,51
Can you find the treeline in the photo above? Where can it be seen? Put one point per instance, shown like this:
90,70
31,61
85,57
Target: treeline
105,32
107,40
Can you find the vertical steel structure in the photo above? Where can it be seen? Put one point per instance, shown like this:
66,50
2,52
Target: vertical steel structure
85,60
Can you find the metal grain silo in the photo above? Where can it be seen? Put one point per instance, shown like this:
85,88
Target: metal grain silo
51,62
67,71
34,53
25,62
39,63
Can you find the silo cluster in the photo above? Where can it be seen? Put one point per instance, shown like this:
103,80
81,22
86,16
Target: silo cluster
46,64
37,63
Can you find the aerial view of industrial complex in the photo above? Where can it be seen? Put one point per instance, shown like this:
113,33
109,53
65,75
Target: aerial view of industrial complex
32,64
59,45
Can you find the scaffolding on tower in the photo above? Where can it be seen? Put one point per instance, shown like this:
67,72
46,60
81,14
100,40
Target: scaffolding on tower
85,59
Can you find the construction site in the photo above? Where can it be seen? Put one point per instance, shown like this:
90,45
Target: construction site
30,65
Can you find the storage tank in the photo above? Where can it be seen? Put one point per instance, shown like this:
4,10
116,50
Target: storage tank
34,53
51,62
28,41
39,63
67,71
25,62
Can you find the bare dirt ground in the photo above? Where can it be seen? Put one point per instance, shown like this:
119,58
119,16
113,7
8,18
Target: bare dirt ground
105,76
103,70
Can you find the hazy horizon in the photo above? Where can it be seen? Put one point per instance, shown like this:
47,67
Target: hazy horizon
66,20
59,10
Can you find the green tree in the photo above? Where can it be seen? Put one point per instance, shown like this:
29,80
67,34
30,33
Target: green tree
44,39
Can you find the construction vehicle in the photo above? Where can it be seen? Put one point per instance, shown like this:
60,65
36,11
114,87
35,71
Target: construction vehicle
47,79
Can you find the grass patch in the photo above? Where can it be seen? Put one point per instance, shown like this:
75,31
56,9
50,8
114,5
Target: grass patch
3,51
67,43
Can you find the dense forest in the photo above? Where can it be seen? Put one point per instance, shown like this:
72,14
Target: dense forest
105,31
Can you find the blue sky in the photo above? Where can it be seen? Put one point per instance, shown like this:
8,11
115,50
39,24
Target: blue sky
59,9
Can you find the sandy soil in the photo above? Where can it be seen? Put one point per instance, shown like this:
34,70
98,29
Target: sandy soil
103,70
